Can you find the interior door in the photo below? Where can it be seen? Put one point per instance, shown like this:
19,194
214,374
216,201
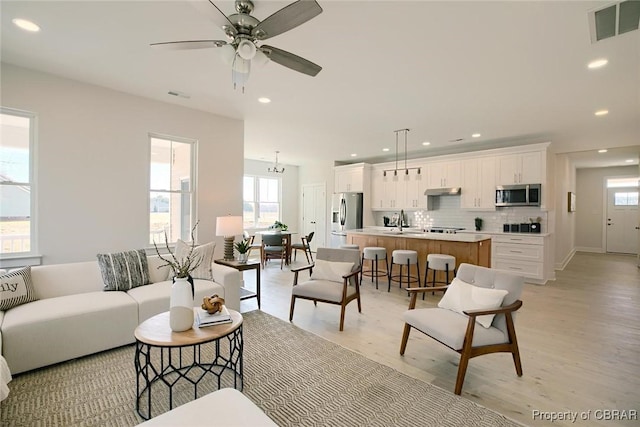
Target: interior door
622,220
314,216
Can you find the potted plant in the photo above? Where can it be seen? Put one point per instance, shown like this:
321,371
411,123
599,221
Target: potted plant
478,223
182,290
279,226
243,247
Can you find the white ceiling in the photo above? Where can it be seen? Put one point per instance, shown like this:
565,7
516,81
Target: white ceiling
514,71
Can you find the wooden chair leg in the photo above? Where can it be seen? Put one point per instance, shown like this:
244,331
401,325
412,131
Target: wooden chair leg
293,304
462,370
342,316
405,338
515,352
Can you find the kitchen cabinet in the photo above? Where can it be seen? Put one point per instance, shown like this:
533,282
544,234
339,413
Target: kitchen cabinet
478,184
414,185
350,178
523,255
444,174
398,191
523,168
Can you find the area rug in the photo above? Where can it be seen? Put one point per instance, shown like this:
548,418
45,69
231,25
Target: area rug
294,376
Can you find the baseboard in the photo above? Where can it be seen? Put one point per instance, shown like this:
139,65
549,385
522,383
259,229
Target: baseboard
589,249
560,266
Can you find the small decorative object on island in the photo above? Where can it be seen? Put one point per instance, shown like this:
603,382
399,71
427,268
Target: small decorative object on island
243,250
182,291
478,222
278,226
212,304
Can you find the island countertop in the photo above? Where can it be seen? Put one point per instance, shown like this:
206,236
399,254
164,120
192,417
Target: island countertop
468,248
419,234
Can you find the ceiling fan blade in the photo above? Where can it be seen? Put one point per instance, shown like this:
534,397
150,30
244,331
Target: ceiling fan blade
290,60
190,44
286,19
216,16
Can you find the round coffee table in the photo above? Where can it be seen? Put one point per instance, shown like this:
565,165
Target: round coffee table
165,359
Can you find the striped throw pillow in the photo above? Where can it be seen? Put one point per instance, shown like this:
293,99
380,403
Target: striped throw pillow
202,254
124,270
16,288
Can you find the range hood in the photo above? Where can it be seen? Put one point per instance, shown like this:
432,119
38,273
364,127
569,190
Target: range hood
449,191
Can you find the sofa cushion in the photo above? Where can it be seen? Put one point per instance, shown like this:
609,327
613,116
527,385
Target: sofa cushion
462,296
159,271
124,270
154,298
16,288
55,329
202,254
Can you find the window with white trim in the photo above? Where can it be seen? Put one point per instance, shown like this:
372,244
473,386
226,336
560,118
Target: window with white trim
17,225
261,207
171,188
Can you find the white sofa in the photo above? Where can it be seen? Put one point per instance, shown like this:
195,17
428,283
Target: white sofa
73,316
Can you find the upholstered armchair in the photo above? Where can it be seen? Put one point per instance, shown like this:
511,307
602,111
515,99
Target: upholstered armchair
334,279
474,317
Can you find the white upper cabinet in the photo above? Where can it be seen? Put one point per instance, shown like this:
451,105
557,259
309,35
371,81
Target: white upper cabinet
525,168
444,174
479,184
399,190
415,185
349,178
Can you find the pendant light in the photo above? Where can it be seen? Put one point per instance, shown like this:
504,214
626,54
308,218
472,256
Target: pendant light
275,168
406,170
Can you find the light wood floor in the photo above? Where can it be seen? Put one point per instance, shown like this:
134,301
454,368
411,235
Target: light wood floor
579,340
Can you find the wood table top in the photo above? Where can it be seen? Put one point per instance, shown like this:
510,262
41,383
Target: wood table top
156,331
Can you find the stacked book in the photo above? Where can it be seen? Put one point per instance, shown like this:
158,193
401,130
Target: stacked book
203,318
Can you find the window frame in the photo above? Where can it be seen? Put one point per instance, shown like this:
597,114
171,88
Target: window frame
32,257
256,202
193,176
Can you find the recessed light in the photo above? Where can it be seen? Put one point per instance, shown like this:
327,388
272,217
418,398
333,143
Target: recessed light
26,25
476,135
426,143
629,160
353,154
264,100
385,149
601,112
597,63
602,151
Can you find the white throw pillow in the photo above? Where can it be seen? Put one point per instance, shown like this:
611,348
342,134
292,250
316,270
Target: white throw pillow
331,270
16,288
462,296
202,253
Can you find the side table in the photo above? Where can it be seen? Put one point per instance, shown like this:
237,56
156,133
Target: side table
170,363
249,265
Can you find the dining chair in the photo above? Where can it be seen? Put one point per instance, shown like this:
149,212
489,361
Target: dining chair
252,244
274,246
305,246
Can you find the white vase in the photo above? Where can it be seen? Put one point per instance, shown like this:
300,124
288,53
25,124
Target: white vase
181,305
242,258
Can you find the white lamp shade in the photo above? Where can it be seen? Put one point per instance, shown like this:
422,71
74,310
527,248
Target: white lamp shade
227,54
246,49
229,225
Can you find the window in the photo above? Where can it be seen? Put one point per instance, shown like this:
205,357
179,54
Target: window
17,224
171,189
261,207
625,198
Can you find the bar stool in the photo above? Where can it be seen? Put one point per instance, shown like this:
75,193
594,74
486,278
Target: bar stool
408,258
374,254
439,262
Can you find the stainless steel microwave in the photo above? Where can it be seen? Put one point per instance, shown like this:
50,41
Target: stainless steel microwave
518,195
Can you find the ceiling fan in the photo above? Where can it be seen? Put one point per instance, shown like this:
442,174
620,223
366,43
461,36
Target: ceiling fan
245,33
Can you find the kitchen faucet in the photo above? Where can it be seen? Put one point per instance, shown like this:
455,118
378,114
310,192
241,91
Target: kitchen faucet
401,219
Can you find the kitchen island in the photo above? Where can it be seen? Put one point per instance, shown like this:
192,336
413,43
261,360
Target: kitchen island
467,248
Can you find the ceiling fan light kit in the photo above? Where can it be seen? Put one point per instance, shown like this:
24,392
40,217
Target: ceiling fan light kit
244,32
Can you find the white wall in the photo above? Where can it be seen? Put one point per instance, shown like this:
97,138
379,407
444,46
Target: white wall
565,221
590,208
93,163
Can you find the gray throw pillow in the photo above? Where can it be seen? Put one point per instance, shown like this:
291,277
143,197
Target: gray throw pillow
16,288
124,270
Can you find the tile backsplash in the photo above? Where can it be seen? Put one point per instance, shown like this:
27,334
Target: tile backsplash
449,214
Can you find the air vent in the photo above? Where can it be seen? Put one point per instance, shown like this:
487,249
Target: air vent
614,20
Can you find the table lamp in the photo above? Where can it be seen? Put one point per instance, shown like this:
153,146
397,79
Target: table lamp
228,226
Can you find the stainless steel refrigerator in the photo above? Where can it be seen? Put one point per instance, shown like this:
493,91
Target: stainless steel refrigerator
346,214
